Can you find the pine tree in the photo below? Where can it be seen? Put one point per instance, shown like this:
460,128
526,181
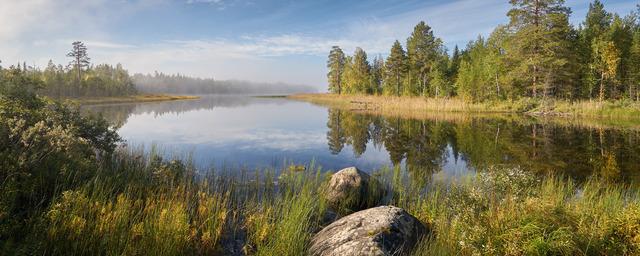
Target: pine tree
335,64
534,46
396,68
561,69
80,58
422,52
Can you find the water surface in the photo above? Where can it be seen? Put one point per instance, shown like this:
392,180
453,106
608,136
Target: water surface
248,132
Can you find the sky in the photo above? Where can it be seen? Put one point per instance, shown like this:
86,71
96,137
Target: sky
256,40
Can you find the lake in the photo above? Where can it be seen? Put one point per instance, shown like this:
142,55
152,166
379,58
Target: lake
232,132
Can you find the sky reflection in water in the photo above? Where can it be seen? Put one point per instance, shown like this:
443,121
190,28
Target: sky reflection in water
232,132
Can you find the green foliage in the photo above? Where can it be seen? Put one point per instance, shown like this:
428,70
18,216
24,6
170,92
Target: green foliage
357,75
480,75
79,79
47,147
335,64
424,53
395,70
100,80
538,54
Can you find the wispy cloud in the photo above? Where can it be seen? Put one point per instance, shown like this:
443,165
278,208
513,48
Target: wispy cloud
39,30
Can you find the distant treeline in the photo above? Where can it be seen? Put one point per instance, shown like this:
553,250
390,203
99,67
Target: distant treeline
538,54
58,81
79,78
181,84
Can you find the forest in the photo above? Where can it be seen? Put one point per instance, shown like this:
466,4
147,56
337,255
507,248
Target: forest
182,84
80,78
539,54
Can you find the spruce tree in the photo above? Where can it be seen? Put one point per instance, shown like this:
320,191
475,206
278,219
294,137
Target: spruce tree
377,74
395,70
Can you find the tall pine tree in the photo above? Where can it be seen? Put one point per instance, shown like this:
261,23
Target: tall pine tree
335,64
422,52
80,58
534,47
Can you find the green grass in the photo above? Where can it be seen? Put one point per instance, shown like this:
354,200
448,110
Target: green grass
499,214
149,206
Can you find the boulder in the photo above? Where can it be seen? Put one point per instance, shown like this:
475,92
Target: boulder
351,190
384,230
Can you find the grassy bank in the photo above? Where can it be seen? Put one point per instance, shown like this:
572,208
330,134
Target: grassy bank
144,205
408,106
68,189
131,99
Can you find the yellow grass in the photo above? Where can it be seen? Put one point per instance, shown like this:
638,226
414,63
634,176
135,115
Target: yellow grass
418,106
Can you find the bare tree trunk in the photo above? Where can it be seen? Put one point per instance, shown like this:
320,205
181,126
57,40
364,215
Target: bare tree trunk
424,84
535,81
601,87
398,84
497,87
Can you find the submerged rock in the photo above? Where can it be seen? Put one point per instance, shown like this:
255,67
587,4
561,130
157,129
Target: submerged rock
351,190
384,230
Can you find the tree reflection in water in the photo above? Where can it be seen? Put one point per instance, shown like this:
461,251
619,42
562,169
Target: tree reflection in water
544,147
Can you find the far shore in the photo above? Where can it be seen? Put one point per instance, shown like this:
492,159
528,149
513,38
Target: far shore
131,99
411,106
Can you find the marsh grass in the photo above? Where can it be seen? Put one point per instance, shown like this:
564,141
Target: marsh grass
415,106
142,204
499,214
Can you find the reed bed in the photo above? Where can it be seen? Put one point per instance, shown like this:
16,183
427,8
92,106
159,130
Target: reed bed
416,106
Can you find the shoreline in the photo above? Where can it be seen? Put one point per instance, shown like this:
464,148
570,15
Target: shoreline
141,98
417,106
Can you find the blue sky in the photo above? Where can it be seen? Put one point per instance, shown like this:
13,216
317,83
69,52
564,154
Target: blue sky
268,40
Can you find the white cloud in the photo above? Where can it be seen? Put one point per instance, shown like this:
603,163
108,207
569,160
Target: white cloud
39,30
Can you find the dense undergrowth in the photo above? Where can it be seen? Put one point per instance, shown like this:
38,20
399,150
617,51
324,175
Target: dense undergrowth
68,189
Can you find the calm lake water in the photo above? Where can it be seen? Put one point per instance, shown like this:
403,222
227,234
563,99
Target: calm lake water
227,132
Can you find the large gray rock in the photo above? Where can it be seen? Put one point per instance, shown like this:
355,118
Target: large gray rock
351,190
384,230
